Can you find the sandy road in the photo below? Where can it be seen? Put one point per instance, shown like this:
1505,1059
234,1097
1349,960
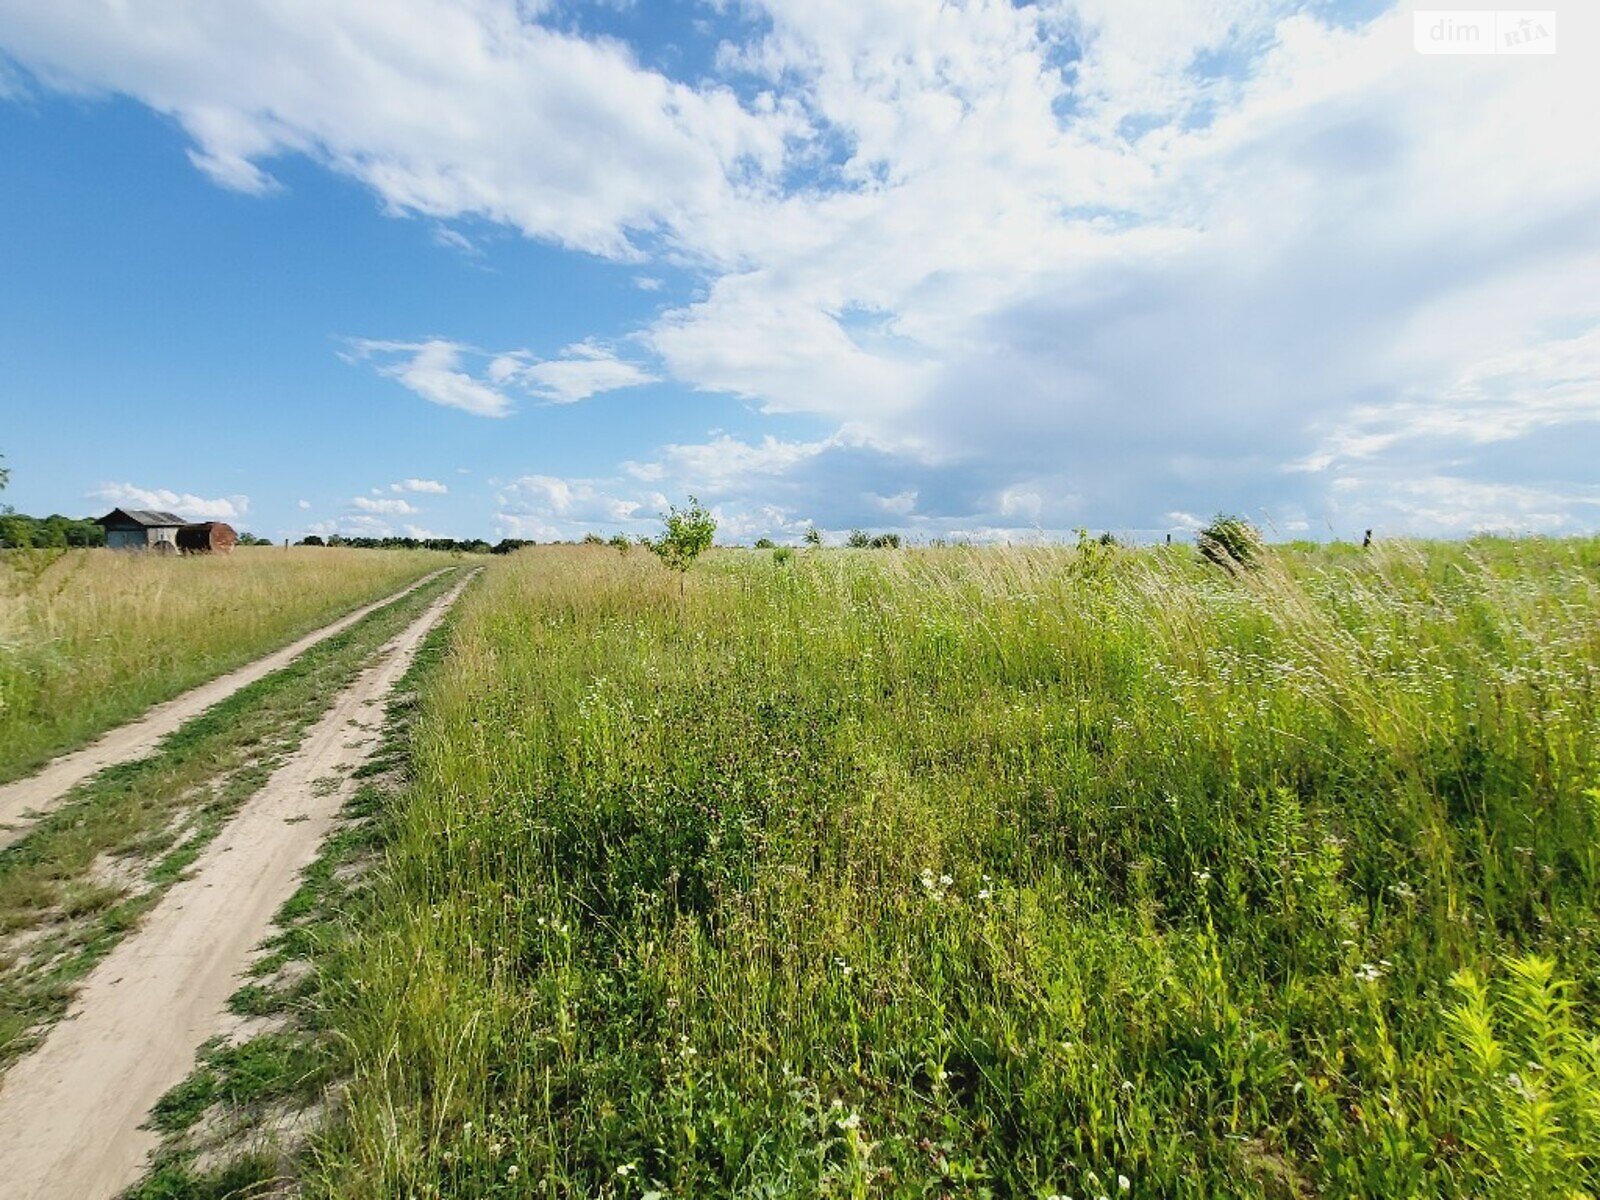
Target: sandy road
24,801
70,1111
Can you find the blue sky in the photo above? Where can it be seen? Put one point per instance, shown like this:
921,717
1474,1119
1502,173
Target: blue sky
533,269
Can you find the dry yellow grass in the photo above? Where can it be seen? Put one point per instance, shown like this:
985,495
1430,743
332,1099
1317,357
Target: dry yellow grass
90,638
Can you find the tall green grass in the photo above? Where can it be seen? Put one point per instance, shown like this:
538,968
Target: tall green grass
91,638
994,873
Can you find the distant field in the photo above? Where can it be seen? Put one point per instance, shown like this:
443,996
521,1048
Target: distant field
994,873
90,638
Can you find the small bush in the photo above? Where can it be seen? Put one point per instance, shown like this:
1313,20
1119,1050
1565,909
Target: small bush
859,539
593,539
782,554
620,543
1230,542
688,533
766,544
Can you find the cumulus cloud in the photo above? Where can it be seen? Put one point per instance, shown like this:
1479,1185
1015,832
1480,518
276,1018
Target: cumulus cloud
443,371
367,504
432,369
444,109
431,487
1020,266
184,504
581,370
549,507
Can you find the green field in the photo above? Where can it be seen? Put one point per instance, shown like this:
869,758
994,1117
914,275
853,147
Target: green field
1026,872
92,638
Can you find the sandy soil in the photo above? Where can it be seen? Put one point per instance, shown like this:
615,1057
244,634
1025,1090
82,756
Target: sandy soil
24,801
70,1111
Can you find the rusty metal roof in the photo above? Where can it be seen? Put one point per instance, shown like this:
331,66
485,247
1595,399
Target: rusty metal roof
147,517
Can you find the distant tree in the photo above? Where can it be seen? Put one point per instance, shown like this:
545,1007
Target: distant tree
507,545
687,535
813,537
16,531
593,539
885,541
5,474
311,540
766,544
55,532
858,539
620,543
1230,542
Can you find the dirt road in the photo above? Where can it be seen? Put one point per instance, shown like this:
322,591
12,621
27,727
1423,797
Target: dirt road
24,801
70,1111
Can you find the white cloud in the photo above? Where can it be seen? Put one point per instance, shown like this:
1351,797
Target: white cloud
432,369
443,109
431,487
184,504
367,504
437,370
361,525
302,504
582,370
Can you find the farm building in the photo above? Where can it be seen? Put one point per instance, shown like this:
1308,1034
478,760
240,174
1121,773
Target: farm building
207,537
141,529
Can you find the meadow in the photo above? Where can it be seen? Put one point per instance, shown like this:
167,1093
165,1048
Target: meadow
1029,872
91,638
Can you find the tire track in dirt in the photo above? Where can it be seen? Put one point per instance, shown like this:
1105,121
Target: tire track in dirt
71,1110
24,802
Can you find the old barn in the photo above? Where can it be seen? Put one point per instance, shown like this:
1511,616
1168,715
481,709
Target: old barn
141,528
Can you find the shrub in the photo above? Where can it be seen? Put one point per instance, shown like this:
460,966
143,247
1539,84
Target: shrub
766,544
814,537
782,554
1230,542
687,535
858,539
886,541
620,543
593,539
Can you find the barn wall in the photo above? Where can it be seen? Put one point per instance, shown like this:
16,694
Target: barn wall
139,538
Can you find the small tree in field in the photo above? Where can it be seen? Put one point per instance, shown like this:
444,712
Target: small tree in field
814,537
687,535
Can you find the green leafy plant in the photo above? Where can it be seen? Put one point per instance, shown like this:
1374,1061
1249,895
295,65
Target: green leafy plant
859,539
688,534
1230,542
620,543
782,554
1530,1113
766,544
814,537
